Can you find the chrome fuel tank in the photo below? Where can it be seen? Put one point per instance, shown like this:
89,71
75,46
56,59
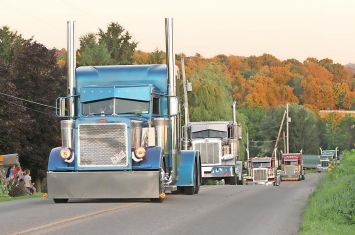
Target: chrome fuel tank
161,129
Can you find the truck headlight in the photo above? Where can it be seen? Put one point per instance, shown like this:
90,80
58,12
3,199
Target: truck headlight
65,153
140,152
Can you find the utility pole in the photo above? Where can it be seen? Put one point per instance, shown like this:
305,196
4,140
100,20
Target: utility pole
186,103
278,135
287,139
284,137
247,146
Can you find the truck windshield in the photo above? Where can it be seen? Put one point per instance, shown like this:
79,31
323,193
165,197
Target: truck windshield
115,106
291,162
209,134
261,164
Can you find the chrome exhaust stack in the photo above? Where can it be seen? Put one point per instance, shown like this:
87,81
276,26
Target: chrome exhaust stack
71,61
68,125
172,105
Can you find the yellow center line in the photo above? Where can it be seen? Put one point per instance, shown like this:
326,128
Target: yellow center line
72,220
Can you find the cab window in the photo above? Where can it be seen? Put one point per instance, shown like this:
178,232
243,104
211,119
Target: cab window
156,105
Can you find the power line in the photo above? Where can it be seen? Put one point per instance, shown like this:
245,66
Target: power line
262,141
19,105
29,101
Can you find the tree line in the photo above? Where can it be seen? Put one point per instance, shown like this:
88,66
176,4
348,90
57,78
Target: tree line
261,85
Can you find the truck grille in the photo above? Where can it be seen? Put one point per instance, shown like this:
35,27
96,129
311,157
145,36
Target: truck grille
209,152
325,163
260,175
290,170
103,145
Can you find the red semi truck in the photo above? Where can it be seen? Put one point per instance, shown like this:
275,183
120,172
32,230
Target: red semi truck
292,167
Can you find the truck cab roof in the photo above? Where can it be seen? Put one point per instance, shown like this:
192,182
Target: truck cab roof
122,75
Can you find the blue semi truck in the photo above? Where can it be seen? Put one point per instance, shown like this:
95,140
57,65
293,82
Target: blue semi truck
121,133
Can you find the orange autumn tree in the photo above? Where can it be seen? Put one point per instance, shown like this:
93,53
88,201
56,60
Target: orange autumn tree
264,92
318,87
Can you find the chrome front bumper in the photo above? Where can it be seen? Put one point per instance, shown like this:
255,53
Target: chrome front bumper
217,171
104,184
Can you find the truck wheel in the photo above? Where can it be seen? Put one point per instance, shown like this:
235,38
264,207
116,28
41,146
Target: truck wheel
303,177
197,179
191,190
240,181
60,200
204,181
232,180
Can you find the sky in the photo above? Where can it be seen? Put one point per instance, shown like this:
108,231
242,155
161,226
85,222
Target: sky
284,28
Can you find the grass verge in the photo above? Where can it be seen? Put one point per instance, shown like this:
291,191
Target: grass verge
331,209
8,198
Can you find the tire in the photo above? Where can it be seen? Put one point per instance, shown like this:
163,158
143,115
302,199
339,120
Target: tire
197,186
240,181
231,181
303,177
189,190
60,200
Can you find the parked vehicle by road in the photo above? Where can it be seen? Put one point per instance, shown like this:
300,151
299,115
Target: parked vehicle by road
292,167
219,145
262,170
8,160
121,138
326,158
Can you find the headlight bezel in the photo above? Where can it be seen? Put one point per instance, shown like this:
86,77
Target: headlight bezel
140,152
65,153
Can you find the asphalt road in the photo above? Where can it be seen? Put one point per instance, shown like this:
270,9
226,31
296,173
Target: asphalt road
215,210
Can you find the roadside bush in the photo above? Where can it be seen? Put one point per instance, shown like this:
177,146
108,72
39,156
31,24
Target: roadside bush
17,188
9,187
331,209
3,184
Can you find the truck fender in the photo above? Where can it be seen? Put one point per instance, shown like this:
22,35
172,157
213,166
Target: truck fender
186,168
55,162
152,160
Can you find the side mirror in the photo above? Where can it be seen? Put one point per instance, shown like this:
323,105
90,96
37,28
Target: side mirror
62,106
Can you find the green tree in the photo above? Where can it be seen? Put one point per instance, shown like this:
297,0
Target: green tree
156,57
92,52
211,98
119,43
304,130
10,42
341,134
